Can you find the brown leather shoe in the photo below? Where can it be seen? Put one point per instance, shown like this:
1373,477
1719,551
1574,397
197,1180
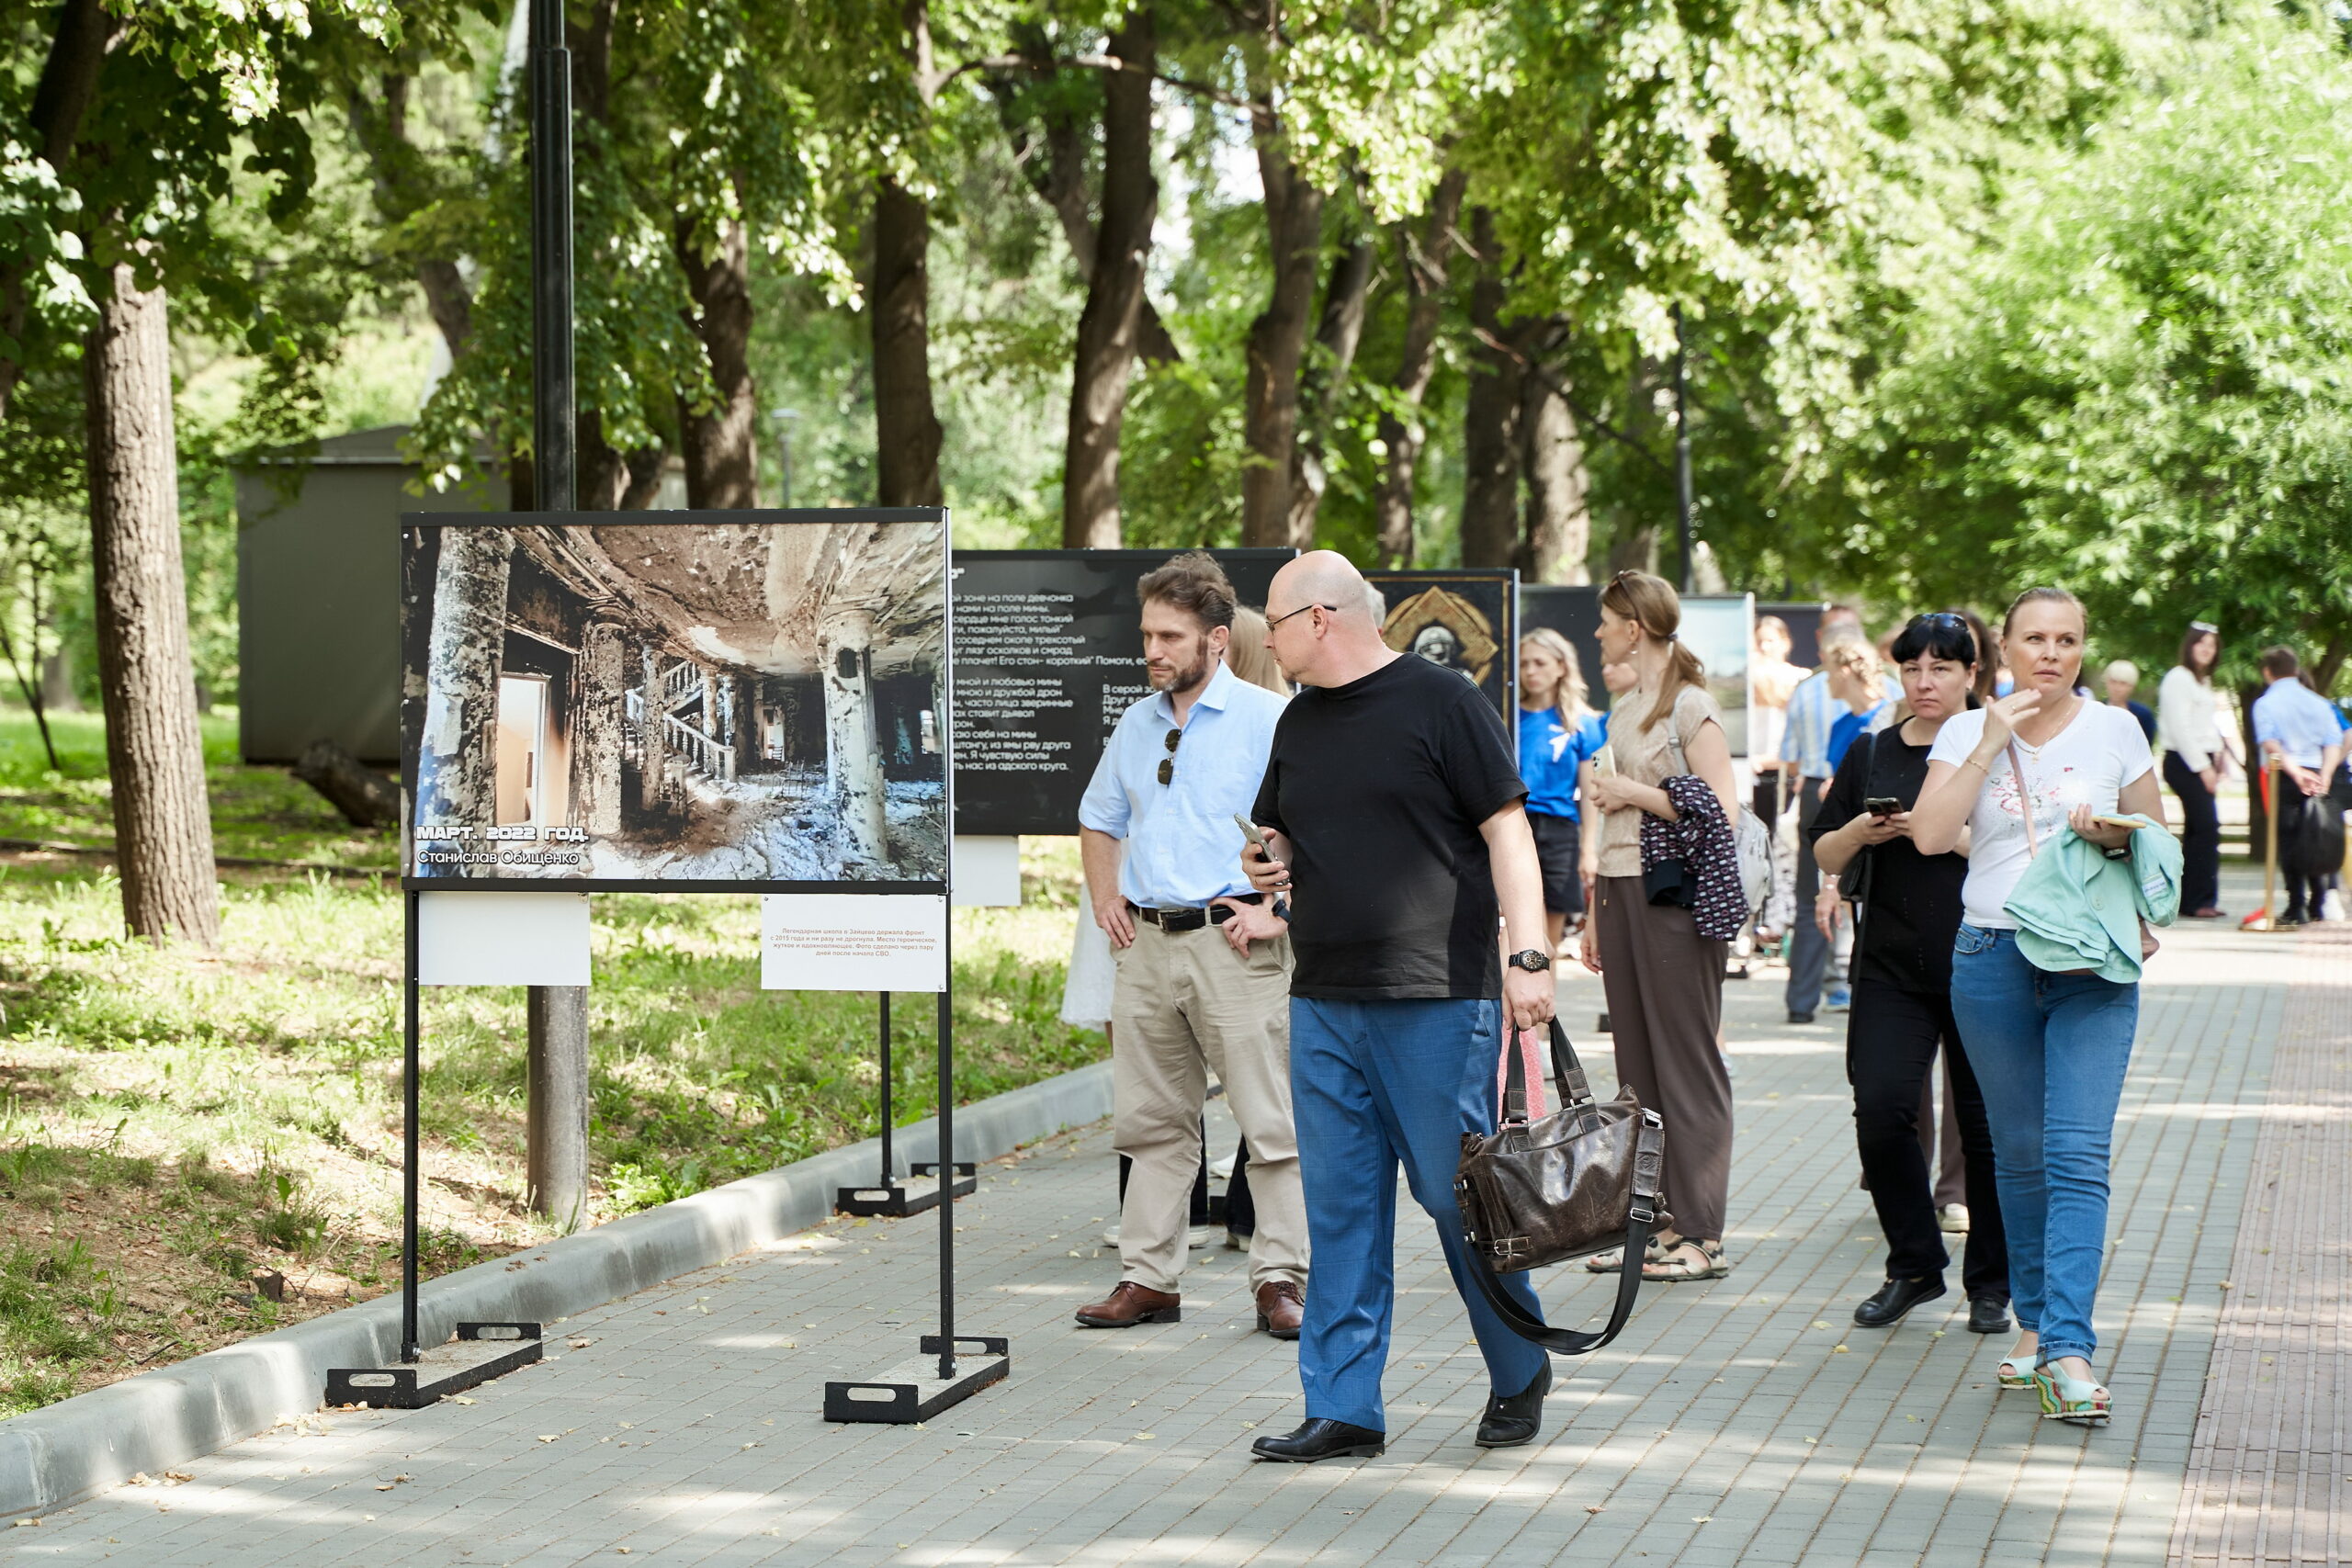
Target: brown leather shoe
1131,1303
1281,1308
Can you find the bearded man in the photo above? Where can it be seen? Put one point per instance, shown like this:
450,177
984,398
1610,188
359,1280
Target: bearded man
1204,963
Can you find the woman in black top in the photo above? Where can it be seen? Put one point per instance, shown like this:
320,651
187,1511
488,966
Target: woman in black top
1909,914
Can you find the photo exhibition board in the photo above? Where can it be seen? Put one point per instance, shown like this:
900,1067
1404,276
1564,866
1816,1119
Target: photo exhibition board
1718,627
1803,621
1466,621
716,701
1049,654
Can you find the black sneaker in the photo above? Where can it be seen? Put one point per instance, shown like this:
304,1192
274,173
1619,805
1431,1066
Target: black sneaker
1799,1018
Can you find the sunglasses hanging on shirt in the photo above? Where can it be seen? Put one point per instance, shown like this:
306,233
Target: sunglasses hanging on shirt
1167,763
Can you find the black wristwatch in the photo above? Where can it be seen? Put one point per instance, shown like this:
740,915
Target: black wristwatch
1534,960
2123,854
1281,911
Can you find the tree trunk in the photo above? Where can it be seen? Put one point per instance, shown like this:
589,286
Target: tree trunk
162,820
1425,283
365,797
1277,343
1490,437
1559,518
1059,179
1107,327
905,428
1344,299
721,447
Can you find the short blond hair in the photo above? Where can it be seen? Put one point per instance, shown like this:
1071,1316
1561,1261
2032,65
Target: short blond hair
2122,670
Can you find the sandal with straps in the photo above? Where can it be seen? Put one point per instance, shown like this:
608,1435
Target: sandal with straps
2079,1401
1611,1261
1686,1259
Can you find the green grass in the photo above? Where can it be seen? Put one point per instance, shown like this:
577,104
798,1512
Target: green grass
191,1119
257,813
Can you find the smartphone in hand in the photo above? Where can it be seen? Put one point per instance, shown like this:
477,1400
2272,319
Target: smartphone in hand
1251,831
1883,806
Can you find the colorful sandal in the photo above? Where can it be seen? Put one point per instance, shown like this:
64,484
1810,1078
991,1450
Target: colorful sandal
1687,1260
2016,1370
2068,1399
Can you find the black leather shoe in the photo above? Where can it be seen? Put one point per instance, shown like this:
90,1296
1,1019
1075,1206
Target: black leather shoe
1897,1297
1987,1314
1799,1018
1319,1439
1509,1422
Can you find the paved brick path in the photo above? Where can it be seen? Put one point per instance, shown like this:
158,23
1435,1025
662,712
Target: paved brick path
2268,1477
1745,1421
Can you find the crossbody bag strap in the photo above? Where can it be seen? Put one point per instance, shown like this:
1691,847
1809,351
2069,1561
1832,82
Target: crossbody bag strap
2025,799
1649,1158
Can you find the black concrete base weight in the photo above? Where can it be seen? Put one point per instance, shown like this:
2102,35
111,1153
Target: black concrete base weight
895,1199
480,1352
914,1390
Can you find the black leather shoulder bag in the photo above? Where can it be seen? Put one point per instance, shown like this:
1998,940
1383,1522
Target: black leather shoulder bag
1576,1182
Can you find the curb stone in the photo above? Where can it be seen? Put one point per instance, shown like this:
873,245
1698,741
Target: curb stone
65,1453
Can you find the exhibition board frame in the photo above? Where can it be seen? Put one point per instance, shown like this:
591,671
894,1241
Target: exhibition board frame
908,1393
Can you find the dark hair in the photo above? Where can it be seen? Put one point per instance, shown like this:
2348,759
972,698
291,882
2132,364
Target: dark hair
1988,654
2281,663
1193,584
2197,632
1943,634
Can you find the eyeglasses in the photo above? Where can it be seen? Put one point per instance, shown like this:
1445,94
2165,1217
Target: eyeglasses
1167,763
1278,620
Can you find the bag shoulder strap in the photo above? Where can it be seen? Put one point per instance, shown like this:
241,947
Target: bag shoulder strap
2025,798
1649,1157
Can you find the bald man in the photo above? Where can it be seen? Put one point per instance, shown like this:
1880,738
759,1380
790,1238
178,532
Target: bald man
1392,802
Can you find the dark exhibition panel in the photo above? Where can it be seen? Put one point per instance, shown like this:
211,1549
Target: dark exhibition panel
1803,621
1048,656
1465,621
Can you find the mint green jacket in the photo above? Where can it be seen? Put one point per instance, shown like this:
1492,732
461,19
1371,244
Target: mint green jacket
2077,910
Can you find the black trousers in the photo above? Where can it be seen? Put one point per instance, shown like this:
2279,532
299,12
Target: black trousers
1890,1044
2200,837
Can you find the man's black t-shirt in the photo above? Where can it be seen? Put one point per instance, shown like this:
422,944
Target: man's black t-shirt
1912,912
1380,786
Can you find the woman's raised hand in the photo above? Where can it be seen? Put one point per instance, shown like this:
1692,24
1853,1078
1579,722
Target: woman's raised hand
2001,715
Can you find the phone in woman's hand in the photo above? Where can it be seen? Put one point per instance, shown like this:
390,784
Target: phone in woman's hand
1883,806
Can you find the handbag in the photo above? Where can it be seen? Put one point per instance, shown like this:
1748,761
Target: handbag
1579,1181
1751,846
2148,942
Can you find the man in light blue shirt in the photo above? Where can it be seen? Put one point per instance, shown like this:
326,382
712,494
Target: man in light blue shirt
2297,727
1204,962
1814,708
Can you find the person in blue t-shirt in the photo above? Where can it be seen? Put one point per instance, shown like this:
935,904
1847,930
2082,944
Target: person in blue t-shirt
1556,733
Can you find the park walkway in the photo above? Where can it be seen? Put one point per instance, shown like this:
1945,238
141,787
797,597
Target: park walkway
1744,1421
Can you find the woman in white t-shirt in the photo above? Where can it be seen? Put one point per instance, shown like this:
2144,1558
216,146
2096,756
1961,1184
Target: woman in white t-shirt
2049,1050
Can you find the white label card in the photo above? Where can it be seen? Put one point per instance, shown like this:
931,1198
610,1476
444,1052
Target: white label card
853,942
501,939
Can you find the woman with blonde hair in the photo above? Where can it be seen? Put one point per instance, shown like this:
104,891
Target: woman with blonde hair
1247,654
1556,732
1664,979
2046,773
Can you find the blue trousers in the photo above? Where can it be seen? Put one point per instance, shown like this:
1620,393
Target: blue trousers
1373,1085
2050,1053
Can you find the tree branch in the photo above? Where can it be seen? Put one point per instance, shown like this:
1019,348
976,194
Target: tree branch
1544,373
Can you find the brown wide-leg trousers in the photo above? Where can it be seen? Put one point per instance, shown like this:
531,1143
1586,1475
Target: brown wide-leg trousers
1665,983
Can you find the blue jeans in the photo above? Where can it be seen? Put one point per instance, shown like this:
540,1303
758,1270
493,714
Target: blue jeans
1373,1084
1809,951
2050,1053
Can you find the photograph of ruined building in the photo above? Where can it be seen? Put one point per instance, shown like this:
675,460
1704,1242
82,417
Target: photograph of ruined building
703,699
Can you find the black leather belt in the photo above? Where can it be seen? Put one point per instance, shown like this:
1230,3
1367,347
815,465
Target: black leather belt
1177,921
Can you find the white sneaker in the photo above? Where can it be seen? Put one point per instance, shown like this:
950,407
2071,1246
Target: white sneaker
1222,1169
1952,1217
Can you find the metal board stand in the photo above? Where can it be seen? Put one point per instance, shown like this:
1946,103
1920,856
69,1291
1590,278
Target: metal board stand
482,1351
887,1197
945,1370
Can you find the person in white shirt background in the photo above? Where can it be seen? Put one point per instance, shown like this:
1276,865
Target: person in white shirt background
2194,737
2296,726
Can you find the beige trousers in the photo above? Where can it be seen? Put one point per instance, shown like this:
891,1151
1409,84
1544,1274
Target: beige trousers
1185,1005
